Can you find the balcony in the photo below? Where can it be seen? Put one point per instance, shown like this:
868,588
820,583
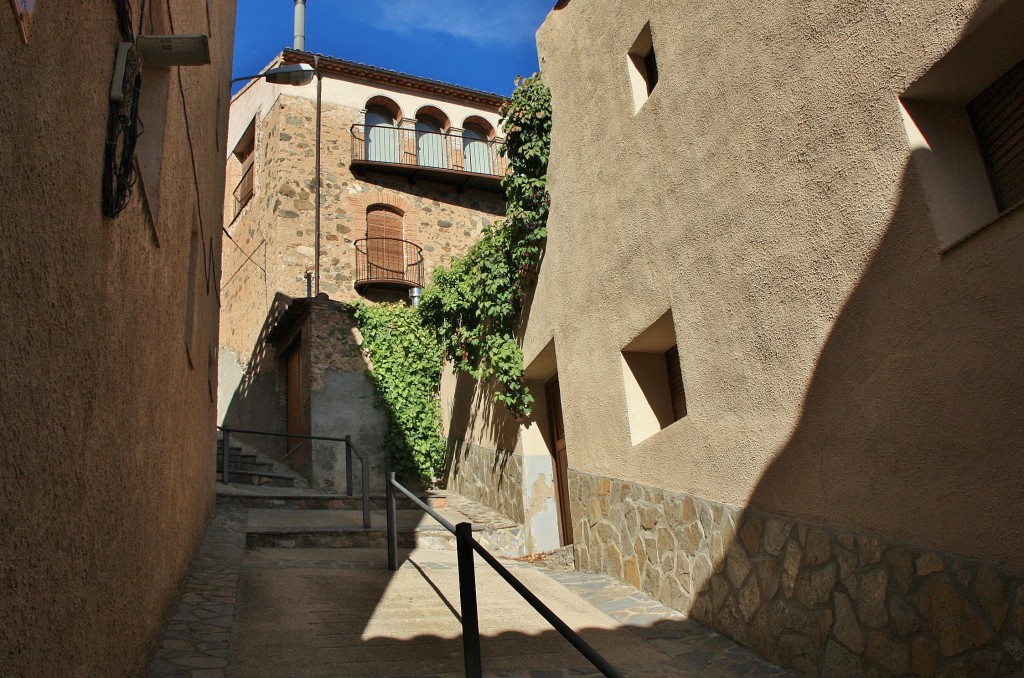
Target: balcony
451,159
388,263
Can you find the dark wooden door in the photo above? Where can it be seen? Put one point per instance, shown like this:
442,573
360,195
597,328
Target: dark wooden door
560,463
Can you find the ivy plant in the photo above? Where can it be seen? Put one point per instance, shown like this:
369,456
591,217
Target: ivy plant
475,303
469,315
406,369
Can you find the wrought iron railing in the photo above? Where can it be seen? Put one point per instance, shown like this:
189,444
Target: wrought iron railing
388,261
244,190
465,545
429,150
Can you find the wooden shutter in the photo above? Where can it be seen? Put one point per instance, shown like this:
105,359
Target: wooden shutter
385,245
675,383
997,115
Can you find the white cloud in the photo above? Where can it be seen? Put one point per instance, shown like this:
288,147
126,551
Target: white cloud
480,21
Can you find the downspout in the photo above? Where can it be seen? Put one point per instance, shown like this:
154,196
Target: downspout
316,223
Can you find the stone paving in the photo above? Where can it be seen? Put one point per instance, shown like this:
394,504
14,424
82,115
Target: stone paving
198,637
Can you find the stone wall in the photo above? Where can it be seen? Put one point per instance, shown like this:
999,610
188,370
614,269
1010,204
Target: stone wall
272,239
818,599
492,477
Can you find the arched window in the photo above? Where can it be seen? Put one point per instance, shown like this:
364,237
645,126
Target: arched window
476,150
381,135
429,143
385,243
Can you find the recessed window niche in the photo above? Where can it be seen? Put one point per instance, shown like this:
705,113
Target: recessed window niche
643,67
653,379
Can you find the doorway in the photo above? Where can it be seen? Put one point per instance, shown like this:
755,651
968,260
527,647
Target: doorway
559,460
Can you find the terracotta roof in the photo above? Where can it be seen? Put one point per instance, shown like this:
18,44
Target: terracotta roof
330,65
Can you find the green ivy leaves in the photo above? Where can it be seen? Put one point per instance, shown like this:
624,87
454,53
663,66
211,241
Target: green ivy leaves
406,360
475,303
470,312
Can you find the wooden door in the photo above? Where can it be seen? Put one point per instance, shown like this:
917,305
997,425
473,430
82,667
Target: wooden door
559,461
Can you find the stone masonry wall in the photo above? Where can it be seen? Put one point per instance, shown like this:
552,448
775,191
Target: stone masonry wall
272,239
818,599
492,477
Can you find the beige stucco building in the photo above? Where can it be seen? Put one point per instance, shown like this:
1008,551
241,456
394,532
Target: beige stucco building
781,303
109,331
410,174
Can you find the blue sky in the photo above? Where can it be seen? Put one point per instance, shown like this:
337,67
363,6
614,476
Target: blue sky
483,44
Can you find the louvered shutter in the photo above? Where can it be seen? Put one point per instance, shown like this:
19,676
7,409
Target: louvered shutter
997,115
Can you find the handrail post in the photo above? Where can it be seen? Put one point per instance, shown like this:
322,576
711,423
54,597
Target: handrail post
348,465
225,473
365,468
392,523
467,596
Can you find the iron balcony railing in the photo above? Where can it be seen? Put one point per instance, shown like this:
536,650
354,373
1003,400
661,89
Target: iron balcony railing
428,150
243,191
388,262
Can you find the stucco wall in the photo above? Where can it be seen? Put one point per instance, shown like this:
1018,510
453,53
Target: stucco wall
845,369
839,367
108,426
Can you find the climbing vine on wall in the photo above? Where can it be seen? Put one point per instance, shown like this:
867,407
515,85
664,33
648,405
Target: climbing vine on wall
406,360
470,313
475,303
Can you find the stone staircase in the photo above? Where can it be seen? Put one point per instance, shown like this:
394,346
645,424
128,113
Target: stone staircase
249,467
288,583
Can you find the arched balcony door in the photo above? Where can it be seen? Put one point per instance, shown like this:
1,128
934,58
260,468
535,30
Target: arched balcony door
385,234
381,136
476,150
429,144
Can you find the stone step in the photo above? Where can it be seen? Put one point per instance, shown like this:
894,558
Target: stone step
246,464
268,528
259,478
312,502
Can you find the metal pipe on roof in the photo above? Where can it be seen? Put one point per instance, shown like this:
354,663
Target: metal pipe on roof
300,26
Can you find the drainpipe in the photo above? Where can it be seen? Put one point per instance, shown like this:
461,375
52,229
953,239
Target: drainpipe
316,226
414,296
300,26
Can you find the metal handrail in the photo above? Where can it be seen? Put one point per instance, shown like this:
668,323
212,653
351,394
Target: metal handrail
364,468
465,545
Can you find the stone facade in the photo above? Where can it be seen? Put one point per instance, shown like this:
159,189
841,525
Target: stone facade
269,248
814,598
492,477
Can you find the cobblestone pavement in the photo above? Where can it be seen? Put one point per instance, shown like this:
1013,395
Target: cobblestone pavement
197,638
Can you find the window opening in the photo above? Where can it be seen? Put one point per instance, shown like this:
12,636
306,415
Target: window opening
653,380
381,136
477,150
643,67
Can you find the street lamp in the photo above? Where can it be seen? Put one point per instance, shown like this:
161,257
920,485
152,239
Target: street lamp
292,74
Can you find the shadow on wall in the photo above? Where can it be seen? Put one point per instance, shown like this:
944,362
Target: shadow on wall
909,449
260,401
473,401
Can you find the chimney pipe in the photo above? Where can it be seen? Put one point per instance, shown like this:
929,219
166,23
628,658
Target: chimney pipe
300,26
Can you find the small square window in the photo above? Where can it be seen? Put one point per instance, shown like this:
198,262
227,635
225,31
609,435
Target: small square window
643,67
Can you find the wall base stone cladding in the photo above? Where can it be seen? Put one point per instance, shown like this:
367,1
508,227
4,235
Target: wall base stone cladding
820,600
492,477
